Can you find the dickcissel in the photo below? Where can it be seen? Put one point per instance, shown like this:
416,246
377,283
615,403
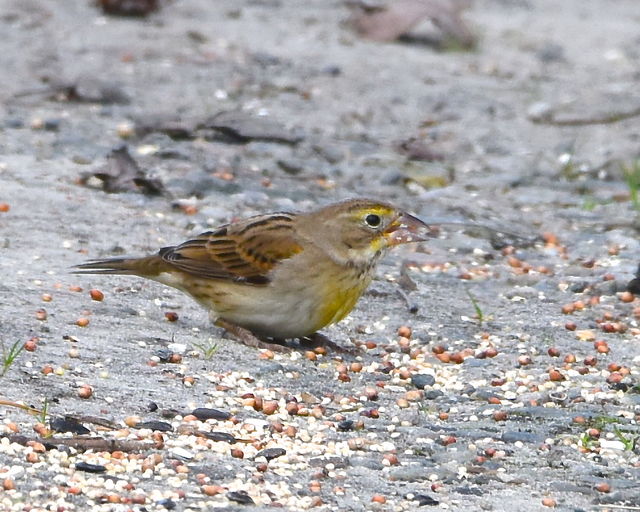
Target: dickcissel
280,275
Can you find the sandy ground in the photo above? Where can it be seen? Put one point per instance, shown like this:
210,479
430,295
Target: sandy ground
528,133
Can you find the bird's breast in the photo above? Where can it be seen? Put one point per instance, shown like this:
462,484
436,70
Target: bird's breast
342,294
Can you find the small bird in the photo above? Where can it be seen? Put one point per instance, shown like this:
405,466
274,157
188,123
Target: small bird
279,275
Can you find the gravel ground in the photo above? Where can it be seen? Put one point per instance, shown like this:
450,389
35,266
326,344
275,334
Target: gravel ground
489,372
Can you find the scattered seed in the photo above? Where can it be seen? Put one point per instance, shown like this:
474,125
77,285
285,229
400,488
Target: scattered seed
500,416
269,407
378,498
403,403
266,354
445,357
627,297
343,377
404,331
614,378
556,376
491,352
171,316
413,395
82,321
96,295
567,309
212,490
175,358
524,360
457,358
85,391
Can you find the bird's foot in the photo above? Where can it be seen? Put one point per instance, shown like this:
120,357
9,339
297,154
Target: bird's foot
320,340
246,337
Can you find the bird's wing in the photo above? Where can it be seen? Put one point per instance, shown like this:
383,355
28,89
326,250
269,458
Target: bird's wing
245,251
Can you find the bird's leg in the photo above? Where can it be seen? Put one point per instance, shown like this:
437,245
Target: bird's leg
246,337
320,340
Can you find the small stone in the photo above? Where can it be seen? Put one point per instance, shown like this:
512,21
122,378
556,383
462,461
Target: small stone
241,497
271,453
540,112
204,414
422,380
90,468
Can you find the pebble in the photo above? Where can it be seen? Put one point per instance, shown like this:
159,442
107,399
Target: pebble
204,414
512,436
271,453
181,453
423,380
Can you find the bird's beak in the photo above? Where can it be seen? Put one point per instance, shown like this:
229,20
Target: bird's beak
406,229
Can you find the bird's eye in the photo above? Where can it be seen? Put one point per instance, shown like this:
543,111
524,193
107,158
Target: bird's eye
372,220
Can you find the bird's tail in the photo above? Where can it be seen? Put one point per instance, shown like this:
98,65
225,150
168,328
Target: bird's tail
148,266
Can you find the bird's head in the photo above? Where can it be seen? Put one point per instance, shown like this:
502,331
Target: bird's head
360,230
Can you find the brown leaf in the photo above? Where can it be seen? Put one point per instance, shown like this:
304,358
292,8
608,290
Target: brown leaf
129,7
122,174
417,149
243,127
399,17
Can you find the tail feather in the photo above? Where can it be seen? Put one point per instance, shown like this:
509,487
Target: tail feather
148,266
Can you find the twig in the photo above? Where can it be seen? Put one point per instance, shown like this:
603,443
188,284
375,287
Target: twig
17,405
614,117
84,443
621,507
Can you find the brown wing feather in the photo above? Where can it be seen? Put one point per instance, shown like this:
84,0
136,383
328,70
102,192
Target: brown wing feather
245,251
